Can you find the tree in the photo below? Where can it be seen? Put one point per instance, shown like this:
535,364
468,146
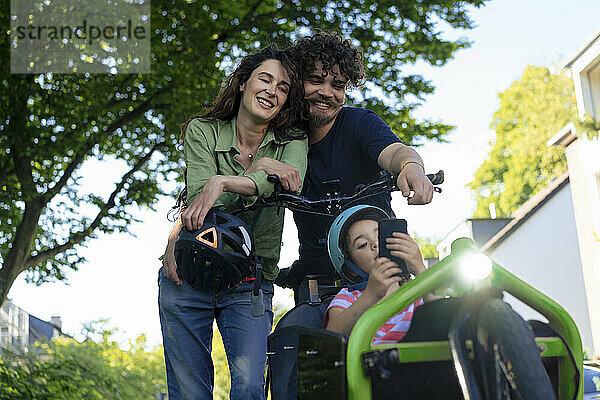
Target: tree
94,369
52,123
520,162
427,245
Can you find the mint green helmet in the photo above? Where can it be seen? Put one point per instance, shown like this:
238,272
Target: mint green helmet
337,256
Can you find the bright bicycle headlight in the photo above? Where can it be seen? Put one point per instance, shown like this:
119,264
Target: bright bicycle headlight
475,266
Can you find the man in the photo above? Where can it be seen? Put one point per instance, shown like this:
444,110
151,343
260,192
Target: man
350,144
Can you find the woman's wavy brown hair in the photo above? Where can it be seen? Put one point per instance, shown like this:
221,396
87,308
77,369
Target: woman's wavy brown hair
227,102
331,49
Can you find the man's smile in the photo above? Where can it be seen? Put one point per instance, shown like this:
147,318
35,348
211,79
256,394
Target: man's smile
321,105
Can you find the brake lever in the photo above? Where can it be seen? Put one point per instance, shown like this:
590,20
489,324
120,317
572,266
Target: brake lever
437,178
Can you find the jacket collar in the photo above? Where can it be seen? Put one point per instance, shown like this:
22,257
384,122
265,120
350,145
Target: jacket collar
226,139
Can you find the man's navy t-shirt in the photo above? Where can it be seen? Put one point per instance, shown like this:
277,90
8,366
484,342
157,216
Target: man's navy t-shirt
348,152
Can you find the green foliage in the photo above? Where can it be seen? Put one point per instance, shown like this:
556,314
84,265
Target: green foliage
279,311
67,369
222,377
52,123
427,246
520,162
589,127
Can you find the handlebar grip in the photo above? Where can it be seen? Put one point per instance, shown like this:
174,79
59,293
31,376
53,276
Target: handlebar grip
436,179
273,178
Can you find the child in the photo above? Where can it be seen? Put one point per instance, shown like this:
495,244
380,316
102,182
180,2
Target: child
353,248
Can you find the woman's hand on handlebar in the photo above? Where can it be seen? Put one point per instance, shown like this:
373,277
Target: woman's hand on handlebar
193,216
288,175
412,177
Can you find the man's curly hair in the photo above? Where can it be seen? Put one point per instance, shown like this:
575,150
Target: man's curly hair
331,49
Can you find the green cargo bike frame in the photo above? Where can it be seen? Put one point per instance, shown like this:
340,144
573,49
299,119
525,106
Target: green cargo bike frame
447,272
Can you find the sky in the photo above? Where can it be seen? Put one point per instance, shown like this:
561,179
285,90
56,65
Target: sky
119,280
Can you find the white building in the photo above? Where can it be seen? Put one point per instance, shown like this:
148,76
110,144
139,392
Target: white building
583,159
585,68
19,328
14,325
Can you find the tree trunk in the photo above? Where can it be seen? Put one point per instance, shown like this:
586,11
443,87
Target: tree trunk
14,263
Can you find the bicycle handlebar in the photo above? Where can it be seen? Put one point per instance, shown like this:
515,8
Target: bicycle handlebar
334,201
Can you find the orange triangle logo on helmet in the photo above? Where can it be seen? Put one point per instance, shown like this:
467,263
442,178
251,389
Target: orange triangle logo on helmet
208,237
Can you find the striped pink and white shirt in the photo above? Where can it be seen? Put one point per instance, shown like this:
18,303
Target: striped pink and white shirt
392,331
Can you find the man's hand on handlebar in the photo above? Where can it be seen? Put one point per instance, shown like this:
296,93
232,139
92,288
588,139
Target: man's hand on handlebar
412,178
288,175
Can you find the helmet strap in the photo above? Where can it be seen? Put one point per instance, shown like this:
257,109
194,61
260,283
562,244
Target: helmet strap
258,275
357,286
363,276
257,305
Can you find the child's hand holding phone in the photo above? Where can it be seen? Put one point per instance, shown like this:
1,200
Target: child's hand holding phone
384,274
403,246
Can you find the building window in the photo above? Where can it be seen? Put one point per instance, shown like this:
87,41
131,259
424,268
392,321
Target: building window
4,336
594,82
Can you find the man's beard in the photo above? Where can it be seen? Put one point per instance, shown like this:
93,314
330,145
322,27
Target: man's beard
319,119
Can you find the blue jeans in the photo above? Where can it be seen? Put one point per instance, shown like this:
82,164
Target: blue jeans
186,318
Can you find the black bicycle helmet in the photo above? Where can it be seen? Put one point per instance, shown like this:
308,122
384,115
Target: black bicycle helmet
218,256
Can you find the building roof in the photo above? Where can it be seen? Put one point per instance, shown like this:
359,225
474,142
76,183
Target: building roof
40,329
571,60
526,210
564,137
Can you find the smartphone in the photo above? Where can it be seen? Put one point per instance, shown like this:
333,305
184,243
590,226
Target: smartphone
386,228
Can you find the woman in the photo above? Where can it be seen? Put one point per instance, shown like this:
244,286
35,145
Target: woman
251,118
